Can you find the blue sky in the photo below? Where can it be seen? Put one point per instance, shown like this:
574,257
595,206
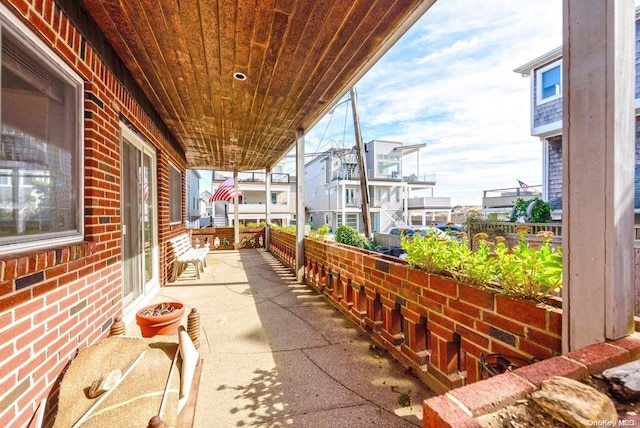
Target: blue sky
449,83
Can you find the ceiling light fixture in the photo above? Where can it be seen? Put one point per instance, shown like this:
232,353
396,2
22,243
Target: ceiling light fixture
239,76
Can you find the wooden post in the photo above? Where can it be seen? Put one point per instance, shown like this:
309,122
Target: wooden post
267,205
598,158
300,203
364,187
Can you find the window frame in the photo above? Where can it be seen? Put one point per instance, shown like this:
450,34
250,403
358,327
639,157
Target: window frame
172,197
30,42
539,73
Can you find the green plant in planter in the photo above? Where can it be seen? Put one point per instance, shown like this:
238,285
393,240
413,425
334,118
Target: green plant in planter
350,236
288,229
523,271
433,254
419,250
479,267
527,271
321,233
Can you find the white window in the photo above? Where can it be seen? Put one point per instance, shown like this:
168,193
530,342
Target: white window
352,220
350,198
388,166
549,82
41,195
175,195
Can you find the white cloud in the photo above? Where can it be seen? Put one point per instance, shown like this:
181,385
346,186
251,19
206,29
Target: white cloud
449,82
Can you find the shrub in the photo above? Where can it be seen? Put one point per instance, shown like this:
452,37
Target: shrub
288,229
350,236
321,233
533,210
523,271
527,271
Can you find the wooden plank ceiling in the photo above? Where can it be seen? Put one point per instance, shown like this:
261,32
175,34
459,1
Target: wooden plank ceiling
299,58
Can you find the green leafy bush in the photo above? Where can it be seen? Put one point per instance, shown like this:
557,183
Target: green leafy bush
533,210
528,271
525,270
321,233
288,229
350,236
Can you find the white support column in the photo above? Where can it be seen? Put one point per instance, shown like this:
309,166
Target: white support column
545,169
407,192
300,218
267,205
343,201
598,157
236,215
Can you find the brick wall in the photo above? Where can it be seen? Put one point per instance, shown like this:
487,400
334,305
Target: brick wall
250,237
461,407
434,325
56,301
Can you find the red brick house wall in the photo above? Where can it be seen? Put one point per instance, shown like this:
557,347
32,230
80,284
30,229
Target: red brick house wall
56,301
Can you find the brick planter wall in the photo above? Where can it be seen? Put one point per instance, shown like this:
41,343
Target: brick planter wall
250,237
433,324
57,300
283,247
462,406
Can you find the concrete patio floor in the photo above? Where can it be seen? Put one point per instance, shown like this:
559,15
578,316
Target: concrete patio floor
277,354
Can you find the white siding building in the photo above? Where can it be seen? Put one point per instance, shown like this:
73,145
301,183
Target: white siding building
333,193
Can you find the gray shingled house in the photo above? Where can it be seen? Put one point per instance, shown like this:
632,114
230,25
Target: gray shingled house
545,73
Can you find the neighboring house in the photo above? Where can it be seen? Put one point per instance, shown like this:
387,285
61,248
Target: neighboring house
499,203
205,205
193,194
252,203
333,193
545,73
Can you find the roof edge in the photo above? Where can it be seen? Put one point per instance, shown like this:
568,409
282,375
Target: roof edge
552,55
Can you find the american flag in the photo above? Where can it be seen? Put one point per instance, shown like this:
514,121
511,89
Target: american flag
225,191
523,186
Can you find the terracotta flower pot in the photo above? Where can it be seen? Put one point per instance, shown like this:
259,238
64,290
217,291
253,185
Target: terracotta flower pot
163,319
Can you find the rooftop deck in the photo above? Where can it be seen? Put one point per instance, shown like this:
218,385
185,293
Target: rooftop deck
276,353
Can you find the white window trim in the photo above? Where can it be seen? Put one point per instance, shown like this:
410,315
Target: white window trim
38,48
539,73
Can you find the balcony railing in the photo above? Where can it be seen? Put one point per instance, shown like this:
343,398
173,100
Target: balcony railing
420,179
278,177
496,198
346,175
259,208
429,202
256,177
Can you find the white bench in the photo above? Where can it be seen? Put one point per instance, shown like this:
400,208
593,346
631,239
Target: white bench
185,254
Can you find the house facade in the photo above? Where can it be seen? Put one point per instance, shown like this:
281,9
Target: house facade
193,195
545,74
333,193
92,186
252,204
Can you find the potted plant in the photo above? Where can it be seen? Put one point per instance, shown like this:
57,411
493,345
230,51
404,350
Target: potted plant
163,318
